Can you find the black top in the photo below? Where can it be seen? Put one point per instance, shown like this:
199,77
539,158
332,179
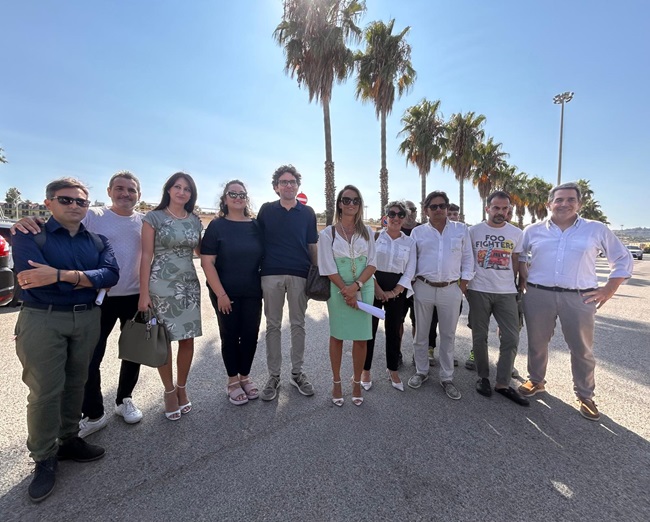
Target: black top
287,236
239,249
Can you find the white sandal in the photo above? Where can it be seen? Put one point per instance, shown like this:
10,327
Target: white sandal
172,415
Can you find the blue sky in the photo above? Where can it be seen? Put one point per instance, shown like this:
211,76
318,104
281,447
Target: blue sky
89,88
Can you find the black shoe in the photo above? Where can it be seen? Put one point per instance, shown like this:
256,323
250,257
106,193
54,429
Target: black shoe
512,394
44,478
79,450
483,387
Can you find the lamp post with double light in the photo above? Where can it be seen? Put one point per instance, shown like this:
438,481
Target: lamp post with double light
561,99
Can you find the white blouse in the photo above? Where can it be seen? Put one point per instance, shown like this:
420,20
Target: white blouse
327,250
397,256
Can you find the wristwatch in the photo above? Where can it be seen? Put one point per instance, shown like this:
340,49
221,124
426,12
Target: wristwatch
359,284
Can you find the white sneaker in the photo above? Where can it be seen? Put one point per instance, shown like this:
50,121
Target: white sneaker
87,426
129,411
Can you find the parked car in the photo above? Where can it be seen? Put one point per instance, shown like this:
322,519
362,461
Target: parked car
7,263
6,273
636,252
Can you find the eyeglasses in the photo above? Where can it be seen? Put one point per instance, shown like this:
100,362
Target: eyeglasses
288,183
65,200
413,209
401,214
235,195
348,201
441,206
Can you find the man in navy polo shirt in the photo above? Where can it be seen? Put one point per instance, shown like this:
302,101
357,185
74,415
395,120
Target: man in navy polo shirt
58,327
290,237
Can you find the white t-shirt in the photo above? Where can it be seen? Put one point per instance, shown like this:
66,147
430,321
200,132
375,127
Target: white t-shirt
124,234
493,248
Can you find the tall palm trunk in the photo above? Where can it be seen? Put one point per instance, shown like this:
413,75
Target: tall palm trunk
423,191
484,200
330,187
383,173
461,197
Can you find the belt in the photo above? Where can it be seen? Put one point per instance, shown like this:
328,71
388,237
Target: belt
560,289
435,285
60,308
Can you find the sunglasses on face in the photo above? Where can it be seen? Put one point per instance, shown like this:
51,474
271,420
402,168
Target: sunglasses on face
441,206
413,209
401,214
235,195
67,201
288,183
353,201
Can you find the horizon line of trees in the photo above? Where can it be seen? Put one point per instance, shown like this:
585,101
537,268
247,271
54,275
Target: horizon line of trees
315,35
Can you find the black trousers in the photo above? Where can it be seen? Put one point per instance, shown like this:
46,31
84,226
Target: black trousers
239,331
392,324
113,308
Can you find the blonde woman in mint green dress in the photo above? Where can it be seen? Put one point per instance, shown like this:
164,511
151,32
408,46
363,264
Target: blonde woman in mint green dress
346,254
168,282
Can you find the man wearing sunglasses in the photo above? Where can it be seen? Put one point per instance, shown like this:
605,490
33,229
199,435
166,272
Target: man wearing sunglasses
122,225
290,237
444,257
58,328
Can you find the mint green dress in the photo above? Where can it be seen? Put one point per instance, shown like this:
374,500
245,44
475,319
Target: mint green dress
349,261
174,286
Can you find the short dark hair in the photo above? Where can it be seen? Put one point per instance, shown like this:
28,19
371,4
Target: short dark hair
126,175
62,183
570,185
498,194
285,169
454,208
435,194
164,202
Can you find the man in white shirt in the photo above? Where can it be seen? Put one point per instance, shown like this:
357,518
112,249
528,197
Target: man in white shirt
444,255
122,225
561,281
496,245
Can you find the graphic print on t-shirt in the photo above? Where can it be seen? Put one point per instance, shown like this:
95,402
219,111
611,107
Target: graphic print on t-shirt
494,252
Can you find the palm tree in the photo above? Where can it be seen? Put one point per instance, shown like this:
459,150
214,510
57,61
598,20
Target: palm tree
314,34
2,156
590,208
384,65
464,133
424,129
538,191
515,184
489,163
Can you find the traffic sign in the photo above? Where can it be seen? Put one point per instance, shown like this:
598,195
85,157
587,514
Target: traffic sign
302,197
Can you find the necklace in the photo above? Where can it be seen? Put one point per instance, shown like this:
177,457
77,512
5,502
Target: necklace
353,261
174,215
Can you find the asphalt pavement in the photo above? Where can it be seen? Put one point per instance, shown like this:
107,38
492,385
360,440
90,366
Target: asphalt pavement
414,455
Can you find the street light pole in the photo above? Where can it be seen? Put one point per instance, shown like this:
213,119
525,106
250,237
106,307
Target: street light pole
561,99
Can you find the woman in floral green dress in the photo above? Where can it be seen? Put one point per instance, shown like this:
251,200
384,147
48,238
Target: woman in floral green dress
169,284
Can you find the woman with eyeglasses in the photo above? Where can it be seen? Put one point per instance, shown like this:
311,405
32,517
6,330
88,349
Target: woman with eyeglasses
231,255
396,259
346,254
169,284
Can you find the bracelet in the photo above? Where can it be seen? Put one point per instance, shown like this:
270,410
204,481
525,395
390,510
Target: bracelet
78,278
58,276
222,295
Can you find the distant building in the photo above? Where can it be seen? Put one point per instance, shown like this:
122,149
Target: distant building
23,209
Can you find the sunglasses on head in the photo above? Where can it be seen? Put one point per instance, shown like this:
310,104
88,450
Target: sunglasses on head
65,200
441,206
401,214
353,201
235,195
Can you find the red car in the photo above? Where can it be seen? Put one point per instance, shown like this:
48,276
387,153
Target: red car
6,273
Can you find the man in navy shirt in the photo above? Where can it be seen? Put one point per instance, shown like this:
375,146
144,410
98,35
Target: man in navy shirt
290,237
58,326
